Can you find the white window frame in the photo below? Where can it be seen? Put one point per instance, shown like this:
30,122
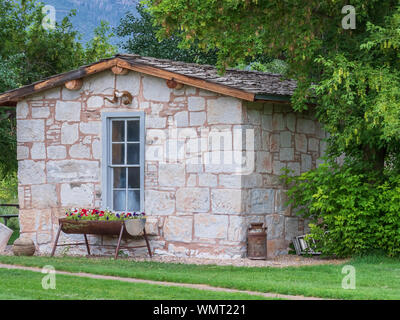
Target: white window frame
107,182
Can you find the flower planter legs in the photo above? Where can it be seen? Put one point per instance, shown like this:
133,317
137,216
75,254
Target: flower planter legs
122,232
147,242
119,241
55,242
87,244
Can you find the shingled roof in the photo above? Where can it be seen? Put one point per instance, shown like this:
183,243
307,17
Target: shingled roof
247,85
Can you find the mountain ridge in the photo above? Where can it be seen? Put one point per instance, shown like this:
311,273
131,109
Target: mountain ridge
89,13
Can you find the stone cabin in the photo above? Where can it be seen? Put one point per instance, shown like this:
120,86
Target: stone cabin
200,153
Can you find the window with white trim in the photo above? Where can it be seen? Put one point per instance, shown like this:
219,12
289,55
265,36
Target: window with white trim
123,161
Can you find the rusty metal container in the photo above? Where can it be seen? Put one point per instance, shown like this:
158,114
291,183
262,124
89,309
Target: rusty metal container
257,242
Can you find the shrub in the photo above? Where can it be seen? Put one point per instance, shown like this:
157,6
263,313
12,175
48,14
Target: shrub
350,212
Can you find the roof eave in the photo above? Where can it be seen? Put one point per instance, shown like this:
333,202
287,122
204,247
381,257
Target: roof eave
271,97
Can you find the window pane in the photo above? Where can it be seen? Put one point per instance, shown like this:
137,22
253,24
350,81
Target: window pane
133,130
133,200
133,153
118,153
120,178
134,178
119,200
118,131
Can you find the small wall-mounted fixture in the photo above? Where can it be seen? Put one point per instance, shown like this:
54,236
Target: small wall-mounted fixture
172,84
125,96
74,84
119,70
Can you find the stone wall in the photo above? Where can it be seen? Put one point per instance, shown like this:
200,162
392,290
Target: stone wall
283,139
195,208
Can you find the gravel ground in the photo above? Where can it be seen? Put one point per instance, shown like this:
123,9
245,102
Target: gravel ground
279,262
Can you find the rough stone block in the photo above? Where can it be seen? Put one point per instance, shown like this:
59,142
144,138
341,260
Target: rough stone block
159,202
181,119
56,152
96,149
291,227
40,112
285,139
305,126
197,118
266,122
264,162
95,102
230,180
226,201
68,111
71,94
93,127
27,220
31,172
38,151
43,220
274,142
291,121
286,154
210,226
30,130
77,195
151,226
313,144
79,151
207,180
275,224
155,89
69,133
155,122
254,116
22,152
193,200
301,142
178,229
22,109
224,110
277,167
280,202
102,82
237,228
278,121
262,201
171,174
306,162
72,171
196,104
276,247
44,196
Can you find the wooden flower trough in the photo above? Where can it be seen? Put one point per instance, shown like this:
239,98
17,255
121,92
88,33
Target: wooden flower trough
127,229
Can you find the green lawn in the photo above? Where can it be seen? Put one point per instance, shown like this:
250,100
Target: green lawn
20,284
376,277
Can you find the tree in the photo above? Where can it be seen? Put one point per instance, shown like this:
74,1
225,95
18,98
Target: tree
351,75
140,37
28,53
